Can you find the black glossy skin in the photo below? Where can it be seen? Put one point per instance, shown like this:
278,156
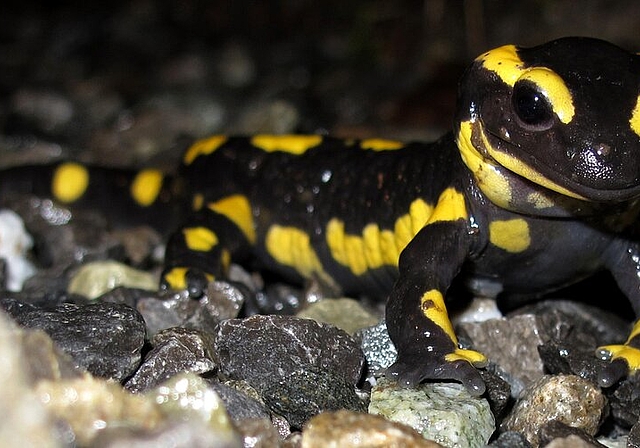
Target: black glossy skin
568,238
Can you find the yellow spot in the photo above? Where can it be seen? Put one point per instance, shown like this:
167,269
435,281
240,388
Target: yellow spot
237,208
176,278
505,62
490,180
511,235
199,239
622,351
70,181
294,144
540,200
471,356
197,202
146,186
379,144
450,207
292,247
375,248
434,309
225,260
203,147
634,121
554,89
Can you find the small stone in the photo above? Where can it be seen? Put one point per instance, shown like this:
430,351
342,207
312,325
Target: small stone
634,436
377,348
240,405
353,429
444,412
94,279
175,350
259,433
306,393
345,313
571,441
624,401
510,439
105,339
555,432
567,398
266,349
15,243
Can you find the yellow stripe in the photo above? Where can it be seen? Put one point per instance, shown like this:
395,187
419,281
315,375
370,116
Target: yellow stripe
70,181
292,247
146,186
203,147
433,307
294,144
634,121
450,207
176,278
380,144
199,239
238,209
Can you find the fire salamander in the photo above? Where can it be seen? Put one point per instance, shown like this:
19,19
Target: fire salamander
537,186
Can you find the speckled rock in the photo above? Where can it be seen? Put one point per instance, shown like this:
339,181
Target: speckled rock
352,429
240,403
15,242
510,439
106,339
624,401
175,350
634,436
345,313
94,279
265,349
443,412
305,393
377,348
555,431
567,398
571,441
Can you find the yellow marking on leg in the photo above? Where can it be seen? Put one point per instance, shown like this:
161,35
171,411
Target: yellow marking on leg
625,351
294,144
238,209
70,181
199,239
434,309
634,120
380,144
511,235
451,206
176,278
146,186
471,356
291,247
203,147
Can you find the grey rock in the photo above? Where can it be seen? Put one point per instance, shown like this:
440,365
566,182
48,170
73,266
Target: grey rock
240,405
259,433
624,401
345,313
175,350
377,348
634,436
105,339
510,439
554,430
306,393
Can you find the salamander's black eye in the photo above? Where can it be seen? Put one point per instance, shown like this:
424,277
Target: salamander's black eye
531,106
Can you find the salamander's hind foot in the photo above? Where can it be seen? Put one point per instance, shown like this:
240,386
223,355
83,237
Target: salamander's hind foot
624,360
193,280
461,365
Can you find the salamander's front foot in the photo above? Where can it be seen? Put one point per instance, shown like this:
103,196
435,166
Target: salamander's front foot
624,359
461,365
193,280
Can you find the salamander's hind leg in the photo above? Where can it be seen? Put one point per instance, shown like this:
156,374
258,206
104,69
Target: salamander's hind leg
201,250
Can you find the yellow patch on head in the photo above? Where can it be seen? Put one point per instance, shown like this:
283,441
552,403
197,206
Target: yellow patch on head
505,62
291,247
70,181
434,309
634,121
554,89
200,239
203,147
294,144
238,209
511,235
380,144
146,186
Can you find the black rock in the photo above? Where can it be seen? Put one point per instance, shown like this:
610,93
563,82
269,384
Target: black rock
511,439
624,401
239,405
106,339
555,429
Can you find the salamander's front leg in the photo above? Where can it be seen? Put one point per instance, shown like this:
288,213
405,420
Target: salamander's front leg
202,249
417,317
624,264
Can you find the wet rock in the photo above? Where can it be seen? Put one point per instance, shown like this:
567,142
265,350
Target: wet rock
175,350
353,429
443,412
94,279
498,391
306,393
15,243
266,349
345,313
624,401
105,339
558,434
377,348
570,358
240,405
510,439
566,398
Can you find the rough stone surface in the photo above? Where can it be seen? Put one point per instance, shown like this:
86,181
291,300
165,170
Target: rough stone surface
624,401
265,349
240,405
305,393
634,436
352,429
259,433
555,431
105,339
510,439
377,348
175,350
443,412
345,313
567,398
